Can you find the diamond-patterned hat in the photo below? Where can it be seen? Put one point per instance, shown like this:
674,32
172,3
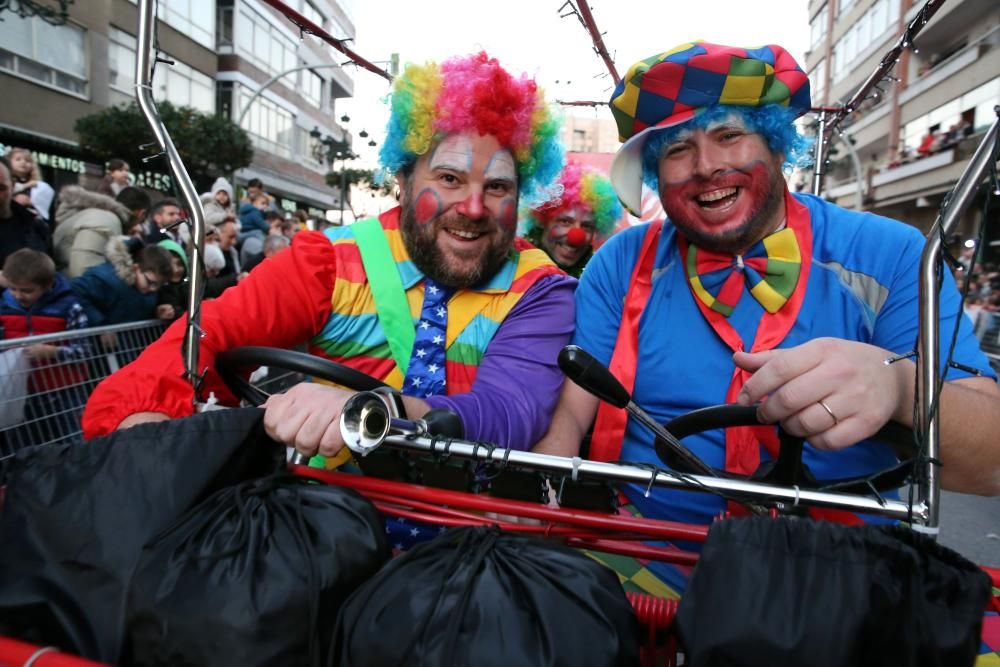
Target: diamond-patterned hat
672,87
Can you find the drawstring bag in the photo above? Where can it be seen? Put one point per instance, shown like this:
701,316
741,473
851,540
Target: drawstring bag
75,517
475,597
254,575
796,592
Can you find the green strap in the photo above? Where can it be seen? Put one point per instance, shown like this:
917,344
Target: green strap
387,289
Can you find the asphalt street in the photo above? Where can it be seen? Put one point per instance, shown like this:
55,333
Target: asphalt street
971,526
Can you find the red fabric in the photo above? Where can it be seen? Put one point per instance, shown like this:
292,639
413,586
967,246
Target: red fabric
283,302
47,374
742,450
609,429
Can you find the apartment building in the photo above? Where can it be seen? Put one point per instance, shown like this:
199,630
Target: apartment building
222,53
913,138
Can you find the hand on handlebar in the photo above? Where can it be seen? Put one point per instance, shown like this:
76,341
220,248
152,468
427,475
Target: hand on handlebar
307,417
830,391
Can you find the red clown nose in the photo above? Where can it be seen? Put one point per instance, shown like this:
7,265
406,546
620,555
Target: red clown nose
576,237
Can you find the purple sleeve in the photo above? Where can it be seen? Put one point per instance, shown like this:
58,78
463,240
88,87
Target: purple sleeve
518,381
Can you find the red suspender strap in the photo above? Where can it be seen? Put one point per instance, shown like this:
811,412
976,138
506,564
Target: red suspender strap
609,429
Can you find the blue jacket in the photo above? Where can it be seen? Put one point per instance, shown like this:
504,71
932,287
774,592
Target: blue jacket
108,299
251,219
56,310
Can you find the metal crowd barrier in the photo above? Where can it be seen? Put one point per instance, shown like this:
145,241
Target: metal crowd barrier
41,401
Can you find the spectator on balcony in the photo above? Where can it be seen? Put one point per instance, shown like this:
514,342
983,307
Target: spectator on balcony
117,178
930,143
123,289
18,227
25,172
86,221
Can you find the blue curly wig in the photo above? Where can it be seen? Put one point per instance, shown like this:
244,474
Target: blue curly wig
775,123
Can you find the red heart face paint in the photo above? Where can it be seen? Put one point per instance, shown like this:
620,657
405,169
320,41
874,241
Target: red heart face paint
508,214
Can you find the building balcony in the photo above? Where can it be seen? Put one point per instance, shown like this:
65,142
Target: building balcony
942,72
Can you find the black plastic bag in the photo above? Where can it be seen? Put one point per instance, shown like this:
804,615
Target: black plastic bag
75,518
796,592
254,575
478,597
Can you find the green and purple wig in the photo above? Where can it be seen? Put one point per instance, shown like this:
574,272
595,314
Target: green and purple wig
467,93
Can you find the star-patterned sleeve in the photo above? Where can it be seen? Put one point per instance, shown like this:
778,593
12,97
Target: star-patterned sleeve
518,381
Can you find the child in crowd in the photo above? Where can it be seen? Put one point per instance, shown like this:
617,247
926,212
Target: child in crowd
40,301
123,289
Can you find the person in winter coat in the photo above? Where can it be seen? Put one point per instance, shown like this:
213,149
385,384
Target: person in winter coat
174,293
124,289
86,221
41,301
252,221
218,201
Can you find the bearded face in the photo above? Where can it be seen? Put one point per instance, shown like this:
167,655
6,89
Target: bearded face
722,187
459,209
568,235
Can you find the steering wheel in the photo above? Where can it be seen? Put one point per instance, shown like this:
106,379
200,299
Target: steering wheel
788,469
230,363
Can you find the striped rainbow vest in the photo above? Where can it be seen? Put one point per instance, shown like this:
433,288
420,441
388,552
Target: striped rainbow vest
353,334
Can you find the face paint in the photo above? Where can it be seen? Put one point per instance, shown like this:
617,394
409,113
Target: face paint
501,167
555,242
459,226
454,152
508,214
427,207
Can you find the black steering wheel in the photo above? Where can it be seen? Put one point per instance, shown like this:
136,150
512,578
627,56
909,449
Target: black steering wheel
232,363
788,469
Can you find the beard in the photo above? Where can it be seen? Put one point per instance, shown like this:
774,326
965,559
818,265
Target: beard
767,195
446,267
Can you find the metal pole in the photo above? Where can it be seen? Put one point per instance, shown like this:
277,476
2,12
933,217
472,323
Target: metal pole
928,357
343,185
144,97
820,156
267,84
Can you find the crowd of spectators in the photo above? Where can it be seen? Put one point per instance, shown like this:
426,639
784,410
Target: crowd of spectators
120,256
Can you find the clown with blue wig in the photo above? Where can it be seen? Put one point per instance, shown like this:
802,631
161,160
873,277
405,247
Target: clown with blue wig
748,294
436,297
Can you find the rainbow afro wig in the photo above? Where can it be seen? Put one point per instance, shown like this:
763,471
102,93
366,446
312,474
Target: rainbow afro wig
581,186
474,93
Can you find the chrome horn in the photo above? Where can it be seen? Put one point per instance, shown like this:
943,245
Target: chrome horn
369,417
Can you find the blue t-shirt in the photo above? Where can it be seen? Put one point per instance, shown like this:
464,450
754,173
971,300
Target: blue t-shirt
862,287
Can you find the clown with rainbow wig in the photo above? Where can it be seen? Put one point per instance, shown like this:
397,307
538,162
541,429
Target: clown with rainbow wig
752,295
567,227
432,297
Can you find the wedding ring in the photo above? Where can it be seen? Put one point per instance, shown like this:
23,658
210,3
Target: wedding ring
829,412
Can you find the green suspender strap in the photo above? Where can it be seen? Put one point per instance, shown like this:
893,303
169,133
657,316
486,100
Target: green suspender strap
387,290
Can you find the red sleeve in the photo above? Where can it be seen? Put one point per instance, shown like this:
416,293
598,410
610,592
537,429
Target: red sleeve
283,302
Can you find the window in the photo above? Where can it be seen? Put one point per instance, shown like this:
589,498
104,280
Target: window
844,6
194,18
271,127
312,87
817,27
53,55
869,29
310,12
817,82
975,107
262,44
179,83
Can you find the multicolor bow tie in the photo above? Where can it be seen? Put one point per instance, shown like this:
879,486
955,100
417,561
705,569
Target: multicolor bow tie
770,269
426,373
